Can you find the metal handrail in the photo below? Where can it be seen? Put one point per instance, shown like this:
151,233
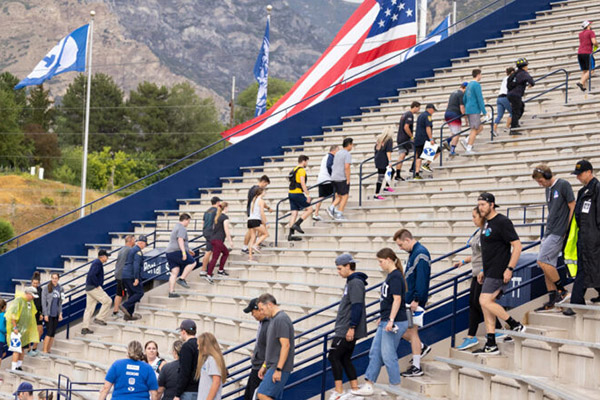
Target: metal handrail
491,122
277,219
565,84
237,132
360,168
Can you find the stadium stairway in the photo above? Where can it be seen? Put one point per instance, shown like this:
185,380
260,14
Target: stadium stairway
437,210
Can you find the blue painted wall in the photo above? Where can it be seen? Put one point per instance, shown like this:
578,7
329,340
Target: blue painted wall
70,239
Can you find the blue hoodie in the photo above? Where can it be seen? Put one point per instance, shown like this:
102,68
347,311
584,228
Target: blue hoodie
473,99
418,270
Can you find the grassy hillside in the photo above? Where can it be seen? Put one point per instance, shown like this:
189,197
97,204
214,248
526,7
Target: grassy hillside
27,202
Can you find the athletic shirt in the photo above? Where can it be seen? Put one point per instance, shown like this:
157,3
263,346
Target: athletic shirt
255,211
300,172
504,87
476,260
585,42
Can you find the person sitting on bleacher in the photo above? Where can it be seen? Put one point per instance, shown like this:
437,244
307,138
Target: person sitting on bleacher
132,279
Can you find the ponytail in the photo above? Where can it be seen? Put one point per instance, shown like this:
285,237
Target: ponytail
388,253
220,209
36,276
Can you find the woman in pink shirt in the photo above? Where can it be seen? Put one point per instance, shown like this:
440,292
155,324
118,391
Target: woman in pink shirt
587,41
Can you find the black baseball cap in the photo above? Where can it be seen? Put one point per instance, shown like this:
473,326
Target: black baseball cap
143,238
252,305
582,166
188,325
430,105
485,196
215,200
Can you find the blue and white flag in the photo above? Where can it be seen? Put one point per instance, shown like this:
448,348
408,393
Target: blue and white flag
261,73
68,55
437,35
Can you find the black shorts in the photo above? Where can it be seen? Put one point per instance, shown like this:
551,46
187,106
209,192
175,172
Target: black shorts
175,260
51,326
254,223
341,187
325,189
38,319
120,288
298,201
584,61
404,148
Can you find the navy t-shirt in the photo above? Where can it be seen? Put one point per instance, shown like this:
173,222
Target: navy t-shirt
393,285
425,120
131,379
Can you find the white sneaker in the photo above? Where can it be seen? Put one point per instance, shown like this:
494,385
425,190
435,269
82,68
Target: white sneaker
317,218
337,396
464,143
340,217
364,390
469,152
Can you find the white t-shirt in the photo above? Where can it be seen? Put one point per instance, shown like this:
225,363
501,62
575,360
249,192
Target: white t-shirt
323,173
209,369
504,86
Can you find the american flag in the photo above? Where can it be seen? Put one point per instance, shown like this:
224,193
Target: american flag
378,30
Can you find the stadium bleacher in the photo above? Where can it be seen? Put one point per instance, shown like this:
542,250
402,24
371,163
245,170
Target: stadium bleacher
558,357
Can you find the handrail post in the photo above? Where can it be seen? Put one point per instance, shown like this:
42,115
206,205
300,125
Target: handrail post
454,307
69,315
324,365
441,147
360,181
567,85
277,224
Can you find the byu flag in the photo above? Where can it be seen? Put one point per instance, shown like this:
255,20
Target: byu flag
261,73
67,55
437,35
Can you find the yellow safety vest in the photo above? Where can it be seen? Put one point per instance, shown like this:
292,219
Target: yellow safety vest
571,248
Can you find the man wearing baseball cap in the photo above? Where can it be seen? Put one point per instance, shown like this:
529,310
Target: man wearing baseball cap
498,236
24,391
587,44
424,134
587,216
187,385
350,324
260,349
453,116
20,315
132,278
95,294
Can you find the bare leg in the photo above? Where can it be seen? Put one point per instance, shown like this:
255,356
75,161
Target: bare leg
491,309
186,271
173,278
118,301
206,260
343,201
550,275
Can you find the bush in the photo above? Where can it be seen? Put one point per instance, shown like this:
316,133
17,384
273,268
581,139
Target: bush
6,232
47,201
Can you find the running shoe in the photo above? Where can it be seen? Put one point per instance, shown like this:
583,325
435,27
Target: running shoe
412,371
487,350
418,178
426,167
331,211
563,295
222,272
317,218
173,295
340,217
182,282
469,152
202,273
519,328
337,396
256,249
446,145
245,251
547,307
399,178
209,279
467,343
580,86
464,143
425,350
378,197
364,390
389,189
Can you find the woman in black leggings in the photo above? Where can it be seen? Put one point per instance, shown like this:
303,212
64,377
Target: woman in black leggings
475,313
383,159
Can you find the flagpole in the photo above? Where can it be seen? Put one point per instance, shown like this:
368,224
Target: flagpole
87,115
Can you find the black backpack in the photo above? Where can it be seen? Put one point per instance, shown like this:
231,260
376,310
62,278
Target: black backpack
512,81
292,177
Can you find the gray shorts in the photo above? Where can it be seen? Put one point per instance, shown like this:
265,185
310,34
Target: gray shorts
490,285
550,249
474,121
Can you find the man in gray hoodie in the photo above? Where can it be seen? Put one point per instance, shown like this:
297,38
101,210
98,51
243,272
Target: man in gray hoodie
350,324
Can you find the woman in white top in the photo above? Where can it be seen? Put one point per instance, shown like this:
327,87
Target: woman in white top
502,103
211,371
257,223
153,358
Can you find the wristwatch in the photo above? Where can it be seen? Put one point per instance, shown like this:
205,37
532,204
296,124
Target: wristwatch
278,369
511,268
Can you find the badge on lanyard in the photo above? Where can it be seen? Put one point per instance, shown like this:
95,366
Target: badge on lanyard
586,206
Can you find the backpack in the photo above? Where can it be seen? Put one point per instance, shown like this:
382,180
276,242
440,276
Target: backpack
209,221
292,177
511,83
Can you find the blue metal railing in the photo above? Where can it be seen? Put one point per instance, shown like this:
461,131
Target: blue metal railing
590,78
565,84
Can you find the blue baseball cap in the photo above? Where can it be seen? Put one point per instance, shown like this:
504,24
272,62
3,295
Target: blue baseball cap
464,84
344,259
24,387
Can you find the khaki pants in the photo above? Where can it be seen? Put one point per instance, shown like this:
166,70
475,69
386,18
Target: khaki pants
94,297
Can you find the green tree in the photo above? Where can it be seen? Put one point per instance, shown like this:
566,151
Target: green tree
107,114
246,101
149,117
6,233
15,149
7,84
39,110
46,152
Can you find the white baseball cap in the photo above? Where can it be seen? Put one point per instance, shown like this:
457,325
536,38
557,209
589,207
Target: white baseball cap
585,24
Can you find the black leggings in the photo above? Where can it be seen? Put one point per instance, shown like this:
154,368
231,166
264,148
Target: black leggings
340,357
475,313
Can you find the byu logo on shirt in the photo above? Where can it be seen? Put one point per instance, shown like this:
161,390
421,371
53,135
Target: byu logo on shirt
429,151
556,194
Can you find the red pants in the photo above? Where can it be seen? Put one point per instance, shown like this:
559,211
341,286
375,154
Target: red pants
219,249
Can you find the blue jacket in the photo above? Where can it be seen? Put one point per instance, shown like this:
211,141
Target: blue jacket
418,269
134,265
473,99
95,276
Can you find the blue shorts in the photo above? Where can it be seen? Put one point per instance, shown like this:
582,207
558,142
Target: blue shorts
175,260
297,201
273,390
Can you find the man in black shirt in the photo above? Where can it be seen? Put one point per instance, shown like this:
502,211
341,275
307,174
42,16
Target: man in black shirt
187,385
517,82
405,134
497,237
263,182
258,355
207,228
424,134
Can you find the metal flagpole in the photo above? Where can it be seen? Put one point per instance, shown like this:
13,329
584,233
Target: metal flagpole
454,16
423,19
87,115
